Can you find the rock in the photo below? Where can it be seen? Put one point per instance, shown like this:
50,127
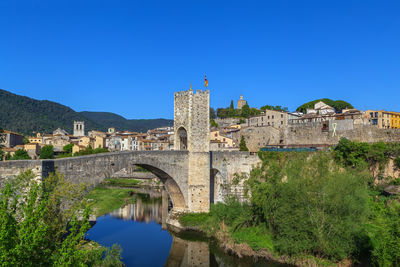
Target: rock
392,190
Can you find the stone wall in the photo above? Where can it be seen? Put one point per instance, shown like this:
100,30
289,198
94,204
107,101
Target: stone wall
314,135
225,165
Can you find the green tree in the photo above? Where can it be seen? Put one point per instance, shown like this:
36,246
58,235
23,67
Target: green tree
231,111
213,123
47,152
213,115
20,154
338,105
68,148
39,225
242,144
245,111
311,204
26,140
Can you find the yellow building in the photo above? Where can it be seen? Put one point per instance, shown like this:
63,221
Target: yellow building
394,120
38,139
215,136
381,118
86,141
99,142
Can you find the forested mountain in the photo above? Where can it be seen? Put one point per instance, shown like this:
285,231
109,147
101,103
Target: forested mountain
120,123
26,115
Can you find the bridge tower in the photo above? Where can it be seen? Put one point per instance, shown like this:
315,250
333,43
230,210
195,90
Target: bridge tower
192,133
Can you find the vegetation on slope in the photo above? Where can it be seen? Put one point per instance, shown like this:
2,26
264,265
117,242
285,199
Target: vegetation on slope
26,115
109,119
45,225
338,105
310,204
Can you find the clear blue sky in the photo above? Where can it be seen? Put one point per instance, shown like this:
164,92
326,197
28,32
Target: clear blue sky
128,57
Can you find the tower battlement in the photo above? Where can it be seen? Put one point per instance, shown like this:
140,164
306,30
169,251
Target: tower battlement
191,120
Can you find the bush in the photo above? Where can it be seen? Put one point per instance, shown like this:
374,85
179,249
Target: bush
397,162
310,204
20,154
39,224
47,152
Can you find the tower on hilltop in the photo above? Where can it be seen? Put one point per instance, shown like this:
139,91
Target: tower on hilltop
79,128
241,102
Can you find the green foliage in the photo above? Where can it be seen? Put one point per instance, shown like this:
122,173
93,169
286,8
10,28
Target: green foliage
276,108
20,154
242,121
338,105
384,231
256,237
39,224
245,111
213,115
26,115
310,205
105,199
360,154
108,119
47,152
2,155
68,148
213,123
396,162
123,182
26,140
89,150
242,144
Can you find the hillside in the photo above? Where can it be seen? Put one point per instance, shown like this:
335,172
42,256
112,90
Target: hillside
26,115
120,123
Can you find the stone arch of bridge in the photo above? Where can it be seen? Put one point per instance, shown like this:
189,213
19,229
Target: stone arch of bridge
181,137
171,186
218,186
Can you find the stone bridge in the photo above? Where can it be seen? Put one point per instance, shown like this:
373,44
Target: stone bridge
193,176
171,167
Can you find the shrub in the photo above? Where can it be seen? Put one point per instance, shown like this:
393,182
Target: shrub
47,152
310,204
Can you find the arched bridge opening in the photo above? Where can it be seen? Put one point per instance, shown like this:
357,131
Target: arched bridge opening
172,188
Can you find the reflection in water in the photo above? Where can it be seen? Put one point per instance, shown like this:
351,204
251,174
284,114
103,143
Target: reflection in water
136,228
143,210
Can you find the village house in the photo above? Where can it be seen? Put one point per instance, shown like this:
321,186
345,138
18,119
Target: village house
278,119
12,139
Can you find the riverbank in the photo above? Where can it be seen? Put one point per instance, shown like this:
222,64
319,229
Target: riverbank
251,241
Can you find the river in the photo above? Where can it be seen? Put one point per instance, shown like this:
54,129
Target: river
138,229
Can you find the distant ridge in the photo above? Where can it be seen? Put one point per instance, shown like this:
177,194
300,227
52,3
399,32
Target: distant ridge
120,123
27,115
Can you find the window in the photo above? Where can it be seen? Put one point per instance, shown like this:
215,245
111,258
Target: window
371,114
281,115
281,122
268,117
272,116
376,114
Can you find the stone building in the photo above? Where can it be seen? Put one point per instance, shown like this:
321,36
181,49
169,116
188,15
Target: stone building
277,119
383,119
258,137
12,139
241,102
79,128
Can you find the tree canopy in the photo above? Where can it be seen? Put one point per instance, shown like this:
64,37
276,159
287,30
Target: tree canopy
338,105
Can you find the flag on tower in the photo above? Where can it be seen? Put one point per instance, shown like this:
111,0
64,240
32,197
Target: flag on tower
205,81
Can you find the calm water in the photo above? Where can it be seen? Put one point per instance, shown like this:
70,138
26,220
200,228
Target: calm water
137,229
